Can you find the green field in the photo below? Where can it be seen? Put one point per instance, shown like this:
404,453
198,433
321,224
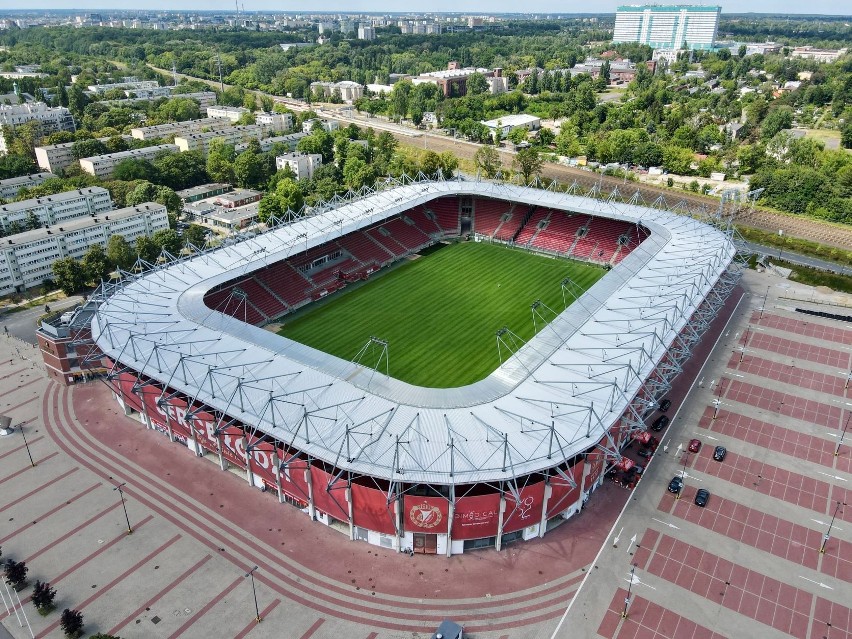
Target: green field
439,313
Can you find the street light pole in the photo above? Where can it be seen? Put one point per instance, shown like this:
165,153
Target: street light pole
250,574
827,535
745,343
629,589
765,298
124,506
842,434
27,444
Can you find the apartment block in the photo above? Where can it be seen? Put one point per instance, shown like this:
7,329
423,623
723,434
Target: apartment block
232,135
277,121
10,187
349,91
55,209
204,98
302,164
129,85
103,165
229,112
26,259
328,125
290,141
51,119
58,157
168,129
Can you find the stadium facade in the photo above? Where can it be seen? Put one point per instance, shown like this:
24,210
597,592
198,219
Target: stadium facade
400,466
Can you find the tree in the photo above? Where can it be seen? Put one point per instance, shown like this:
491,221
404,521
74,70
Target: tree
846,134
318,142
250,169
777,119
517,135
181,170
169,240
15,165
195,234
32,221
43,596
220,161
357,173
88,148
528,163
147,248
487,160
119,253
15,573
286,196
95,264
71,623
69,275
476,84
135,169
677,160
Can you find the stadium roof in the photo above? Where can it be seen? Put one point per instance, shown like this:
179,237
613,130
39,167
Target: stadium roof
554,398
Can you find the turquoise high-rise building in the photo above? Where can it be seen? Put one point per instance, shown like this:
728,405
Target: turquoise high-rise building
668,26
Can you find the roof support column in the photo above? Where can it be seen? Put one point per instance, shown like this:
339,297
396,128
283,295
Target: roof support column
548,491
451,513
312,511
277,472
498,542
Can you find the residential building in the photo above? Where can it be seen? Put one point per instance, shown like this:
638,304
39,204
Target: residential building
26,259
819,55
620,71
10,187
103,165
129,84
232,113
231,135
55,209
325,27
303,165
668,26
57,157
366,32
51,119
349,91
286,46
290,141
329,125
204,99
202,192
508,123
276,121
170,129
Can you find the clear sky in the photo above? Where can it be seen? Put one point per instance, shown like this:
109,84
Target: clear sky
826,7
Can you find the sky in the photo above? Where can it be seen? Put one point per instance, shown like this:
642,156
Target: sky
826,7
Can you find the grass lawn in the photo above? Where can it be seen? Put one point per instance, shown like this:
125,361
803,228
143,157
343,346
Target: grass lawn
439,313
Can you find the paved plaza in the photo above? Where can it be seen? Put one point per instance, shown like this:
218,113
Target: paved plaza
773,391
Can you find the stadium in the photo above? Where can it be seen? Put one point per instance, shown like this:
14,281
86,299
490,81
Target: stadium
494,422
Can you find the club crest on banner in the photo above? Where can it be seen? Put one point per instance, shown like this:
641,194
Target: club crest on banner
425,515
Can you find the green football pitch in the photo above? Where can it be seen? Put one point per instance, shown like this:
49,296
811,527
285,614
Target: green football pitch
439,313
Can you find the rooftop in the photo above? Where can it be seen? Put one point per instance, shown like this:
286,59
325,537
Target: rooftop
52,199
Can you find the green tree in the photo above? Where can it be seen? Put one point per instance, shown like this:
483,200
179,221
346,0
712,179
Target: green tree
119,253
96,266
69,275
357,173
220,161
777,119
146,248
88,148
195,235
181,170
250,169
15,165
846,134
677,160
487,160
517,135
477,84
43,596
135,169
168,240
528,163
318,142
71,623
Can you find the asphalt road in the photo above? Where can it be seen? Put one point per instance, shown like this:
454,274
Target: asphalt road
23,323
802,260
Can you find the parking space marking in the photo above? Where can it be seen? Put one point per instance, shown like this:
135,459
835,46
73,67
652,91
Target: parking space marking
798,376
833,334
648,621
806,410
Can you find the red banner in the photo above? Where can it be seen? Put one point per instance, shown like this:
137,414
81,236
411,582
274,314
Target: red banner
562,495
371,510
527,511
293,479
425,514
329,499
595,462
476,517
125,384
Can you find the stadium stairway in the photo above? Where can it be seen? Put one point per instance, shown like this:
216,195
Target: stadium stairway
524,222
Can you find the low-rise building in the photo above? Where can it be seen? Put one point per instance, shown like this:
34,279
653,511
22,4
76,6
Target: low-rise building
55,209
170,129
222,219
277,121
232,113
130,84
819,55
103,165
26,259
508,123
237,198
51,119
452,81
232,135
303,165
328,125
347,90
203,191
10,187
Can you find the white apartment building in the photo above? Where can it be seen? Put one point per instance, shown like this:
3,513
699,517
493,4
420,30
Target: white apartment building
52,119
129,85
302,164
232,113
179,128
277,121
57,157
232,135
290,140
329,125
349,91
366,32
668,26
26,259
103,165
10,187
55,209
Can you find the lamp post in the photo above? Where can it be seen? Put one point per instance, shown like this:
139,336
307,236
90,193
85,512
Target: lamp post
27,445
250,574
745,343
124,506
842,434
629,589
766,297
827,534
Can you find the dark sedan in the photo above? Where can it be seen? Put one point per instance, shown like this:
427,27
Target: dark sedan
701,497
676,485
719,453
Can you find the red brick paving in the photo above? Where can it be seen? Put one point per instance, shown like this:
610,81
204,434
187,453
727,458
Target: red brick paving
647,620
745,591
39,518
253,624
817,450
796,375
32,442
839,617
797,350
833,334
50,483
206,608
801,408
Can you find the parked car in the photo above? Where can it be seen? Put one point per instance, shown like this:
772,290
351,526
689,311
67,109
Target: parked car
645,453
701,497
660,423
719,453
694,445
448,630
676,484
665,405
